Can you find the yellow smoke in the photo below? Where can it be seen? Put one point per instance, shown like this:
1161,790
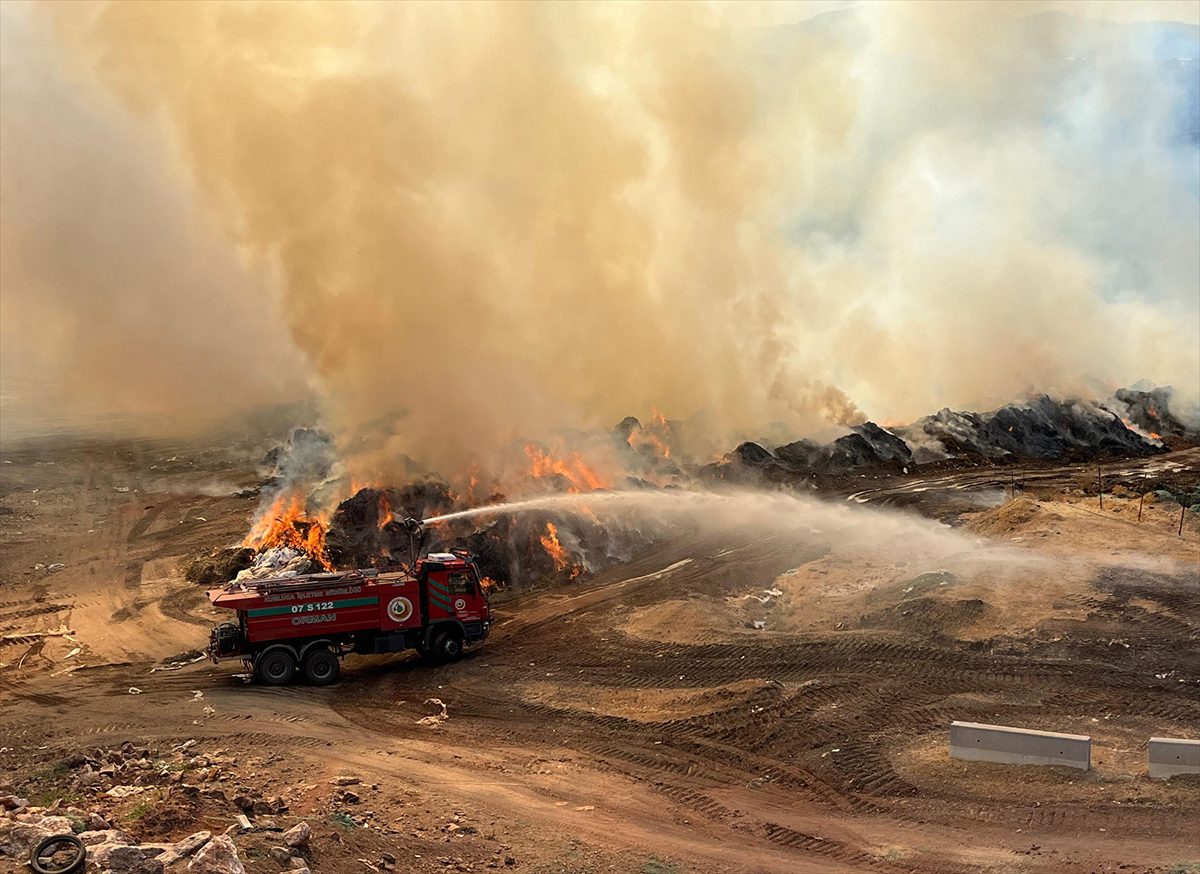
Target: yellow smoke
486,221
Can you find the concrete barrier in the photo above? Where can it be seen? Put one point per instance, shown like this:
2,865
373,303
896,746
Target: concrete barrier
977,742
1169,756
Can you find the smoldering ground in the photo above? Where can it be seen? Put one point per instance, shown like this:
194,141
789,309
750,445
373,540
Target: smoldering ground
476,223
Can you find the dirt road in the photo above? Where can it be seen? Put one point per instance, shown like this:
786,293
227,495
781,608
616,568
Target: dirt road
635,723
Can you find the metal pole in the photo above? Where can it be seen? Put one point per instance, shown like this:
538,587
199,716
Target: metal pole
1182,510
1142,499
1099,484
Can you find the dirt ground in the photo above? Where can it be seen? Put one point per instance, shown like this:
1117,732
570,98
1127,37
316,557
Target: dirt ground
733,701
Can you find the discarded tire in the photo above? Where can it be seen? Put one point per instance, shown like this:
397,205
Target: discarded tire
63,843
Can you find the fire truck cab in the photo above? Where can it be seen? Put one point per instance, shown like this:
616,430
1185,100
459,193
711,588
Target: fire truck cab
306,624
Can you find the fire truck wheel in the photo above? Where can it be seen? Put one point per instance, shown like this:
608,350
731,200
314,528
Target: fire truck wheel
448,647
321,667
275,667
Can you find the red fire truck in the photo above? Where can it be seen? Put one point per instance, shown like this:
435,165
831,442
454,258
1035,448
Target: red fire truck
309,622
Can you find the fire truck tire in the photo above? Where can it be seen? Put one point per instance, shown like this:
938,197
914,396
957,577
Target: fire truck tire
275,667
321,667
448,647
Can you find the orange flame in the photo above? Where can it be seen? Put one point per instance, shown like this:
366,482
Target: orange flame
553,547
287,524
656,435
1154,435
556,552
578,476
385,511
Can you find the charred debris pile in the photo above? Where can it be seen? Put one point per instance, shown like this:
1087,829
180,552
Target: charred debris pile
302,527
1132,423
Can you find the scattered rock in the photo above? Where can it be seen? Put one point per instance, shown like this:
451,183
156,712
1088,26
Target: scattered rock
95,822
187,846
124,859
104,836
282,855
218,856
344,780
21,837
271,807
56,824
298,835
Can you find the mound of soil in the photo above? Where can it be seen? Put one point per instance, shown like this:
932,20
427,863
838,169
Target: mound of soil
929,616
1006,518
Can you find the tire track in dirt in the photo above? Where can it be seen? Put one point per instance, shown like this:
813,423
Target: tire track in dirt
854,690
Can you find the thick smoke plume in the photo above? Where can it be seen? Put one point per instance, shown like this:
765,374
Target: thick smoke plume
484,222
122,307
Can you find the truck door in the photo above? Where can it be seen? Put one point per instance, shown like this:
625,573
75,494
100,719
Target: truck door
464,592
454,594
441,602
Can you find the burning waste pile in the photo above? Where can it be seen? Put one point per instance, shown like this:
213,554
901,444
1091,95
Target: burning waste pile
301,527
313,517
